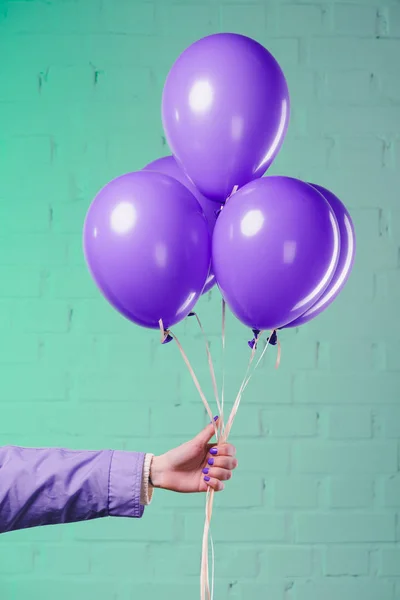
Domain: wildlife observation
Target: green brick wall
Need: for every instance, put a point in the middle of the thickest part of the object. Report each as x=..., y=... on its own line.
x=312, y=512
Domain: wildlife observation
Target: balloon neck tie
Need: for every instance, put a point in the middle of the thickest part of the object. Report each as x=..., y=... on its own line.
x=253, y=343
x=191, y=314
x=166, y=336
x=273, y=340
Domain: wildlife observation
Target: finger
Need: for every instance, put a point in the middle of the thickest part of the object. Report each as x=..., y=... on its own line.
x=207, y=433
x=222, y=449
x=222, y=462
x=213, y=483
x=218, y=473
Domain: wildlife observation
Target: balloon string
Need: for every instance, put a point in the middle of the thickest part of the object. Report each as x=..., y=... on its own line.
x=223, y=337
x=279, y=354
x=210, y=363
x=206, y=593
x=164, y=335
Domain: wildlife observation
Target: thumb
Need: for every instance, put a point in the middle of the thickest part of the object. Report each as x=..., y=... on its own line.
x=207, y=433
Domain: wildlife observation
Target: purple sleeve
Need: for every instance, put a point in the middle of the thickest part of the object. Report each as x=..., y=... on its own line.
x=47, y=486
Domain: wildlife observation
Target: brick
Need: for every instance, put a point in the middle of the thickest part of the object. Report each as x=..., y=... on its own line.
x=62, y=347
x=161, y=529
x=16, y=559
x=66, y=559
x=26, y=383
x=179, y=419
x=258, y=591
x=43, y=587
x=138, y=18
x=286, y=561
x=394, y=20
x=237, y=493
x=298, y=149
x=34, y=217
x=338, y=457
x=97, y=316
x=303, y=19
x=295, y=491
x=74, y=250
x=43, y=18
x=390, y=562
x=136, y=82
x=325, y=53
x=113, y=560
x=76, y=81
x=391, y=351
x=39, y=316
x=263, y=457
x=178, y=591
x=350, y=492
x=392, y=492
x=21, y=282
x=177, y=19
x=345, y=528
x=391, y=420
x=245, y=18
x=351, y=356
x=289, y=423
x=19, y=350
x=342, y=561
x=349, y=389
x=254, y=527
x=368, y=589
x=355, y=87
x=389, y=86
x=72, y=282
x=38, y=250
x=355, y=20
x=350, y=424
x=336, y=120
x=72, y=424
x=238, y=562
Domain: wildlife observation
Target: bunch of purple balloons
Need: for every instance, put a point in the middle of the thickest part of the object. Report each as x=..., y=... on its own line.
x=279, y=249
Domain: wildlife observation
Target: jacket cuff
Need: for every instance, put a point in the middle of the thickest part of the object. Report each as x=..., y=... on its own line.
x=147, y=489
x=125, y=483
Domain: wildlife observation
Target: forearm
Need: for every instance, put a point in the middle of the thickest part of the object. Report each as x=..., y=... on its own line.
x=44, y=486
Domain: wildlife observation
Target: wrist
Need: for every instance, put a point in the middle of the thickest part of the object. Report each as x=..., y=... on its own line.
x=156, y=472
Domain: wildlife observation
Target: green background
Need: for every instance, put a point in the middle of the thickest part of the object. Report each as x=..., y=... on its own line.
x=311, y=513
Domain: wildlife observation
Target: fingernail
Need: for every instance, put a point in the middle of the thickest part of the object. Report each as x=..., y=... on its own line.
x=215, y=419
x=214, y=451
x=210, y=461
x=206, y=478
x=205, y=470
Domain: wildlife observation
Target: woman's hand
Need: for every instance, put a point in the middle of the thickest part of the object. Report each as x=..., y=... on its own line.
x=194, y=466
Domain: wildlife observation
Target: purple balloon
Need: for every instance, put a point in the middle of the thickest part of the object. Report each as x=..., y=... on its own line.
x=225, y=111
x=345, y=262
x=148, y=247
x=275, y=249
x=169, y=166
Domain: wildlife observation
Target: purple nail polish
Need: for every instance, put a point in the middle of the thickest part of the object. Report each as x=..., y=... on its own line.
x=206, y=478
x=210, y=461
x=214, y=451
x=205, y=470
x=216, y=418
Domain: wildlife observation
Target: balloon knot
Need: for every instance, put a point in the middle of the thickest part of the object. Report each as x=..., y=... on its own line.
x=253, y=342
x=191, y=314
x=273, y=340
x=167, y=337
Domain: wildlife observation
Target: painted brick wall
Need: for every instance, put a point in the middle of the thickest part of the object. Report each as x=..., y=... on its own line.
x=312, y=510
